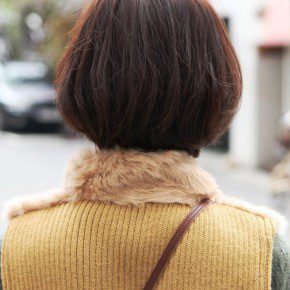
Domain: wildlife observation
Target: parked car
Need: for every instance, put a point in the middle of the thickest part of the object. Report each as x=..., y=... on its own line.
x=26, y=95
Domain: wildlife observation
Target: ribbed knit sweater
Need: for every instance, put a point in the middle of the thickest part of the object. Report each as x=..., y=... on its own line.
x=108, y=225
x=102, y=246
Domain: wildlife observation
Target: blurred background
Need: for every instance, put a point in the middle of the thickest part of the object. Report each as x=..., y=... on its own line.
x=251, y=161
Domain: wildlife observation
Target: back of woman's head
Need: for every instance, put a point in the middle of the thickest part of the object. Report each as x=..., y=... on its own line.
x=149, y=74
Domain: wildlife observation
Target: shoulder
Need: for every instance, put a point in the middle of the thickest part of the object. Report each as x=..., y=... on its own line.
x=263, y=214
x=235, y=223
x=280, y=264
x=266, y=224
x=258, y=227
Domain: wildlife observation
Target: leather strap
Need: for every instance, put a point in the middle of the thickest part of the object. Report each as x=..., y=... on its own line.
x=174, y=241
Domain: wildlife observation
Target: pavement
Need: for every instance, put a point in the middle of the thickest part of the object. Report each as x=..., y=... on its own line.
x=31, y=163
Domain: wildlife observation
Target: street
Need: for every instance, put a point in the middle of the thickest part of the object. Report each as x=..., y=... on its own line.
x=32, y=163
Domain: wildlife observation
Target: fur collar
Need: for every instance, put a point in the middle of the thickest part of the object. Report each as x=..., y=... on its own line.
x=134, y=177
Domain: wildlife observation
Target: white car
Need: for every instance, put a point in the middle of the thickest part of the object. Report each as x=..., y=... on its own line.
x=26, y=95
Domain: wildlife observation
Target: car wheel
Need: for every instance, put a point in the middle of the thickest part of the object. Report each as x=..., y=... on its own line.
x=3, y=120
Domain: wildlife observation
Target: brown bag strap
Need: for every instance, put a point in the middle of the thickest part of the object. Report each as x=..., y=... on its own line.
x=174, y=241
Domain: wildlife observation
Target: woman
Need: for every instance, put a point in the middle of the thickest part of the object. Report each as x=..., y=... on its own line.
x=150, y=83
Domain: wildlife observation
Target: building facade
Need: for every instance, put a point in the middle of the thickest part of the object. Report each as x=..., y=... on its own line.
x=262, y=45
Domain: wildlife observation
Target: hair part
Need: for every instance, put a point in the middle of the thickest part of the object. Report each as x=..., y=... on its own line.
x=149, y=74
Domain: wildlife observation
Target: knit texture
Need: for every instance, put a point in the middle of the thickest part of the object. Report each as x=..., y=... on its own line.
x=94, y=245
x=280, y=265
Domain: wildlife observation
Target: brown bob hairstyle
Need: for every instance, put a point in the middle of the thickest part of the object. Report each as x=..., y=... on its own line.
x=149, y=74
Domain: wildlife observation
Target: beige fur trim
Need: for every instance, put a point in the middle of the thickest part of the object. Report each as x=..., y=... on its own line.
x=22, y=204
x=133, y=177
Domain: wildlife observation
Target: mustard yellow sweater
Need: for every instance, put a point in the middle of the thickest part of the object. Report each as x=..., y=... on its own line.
x=103, y=246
